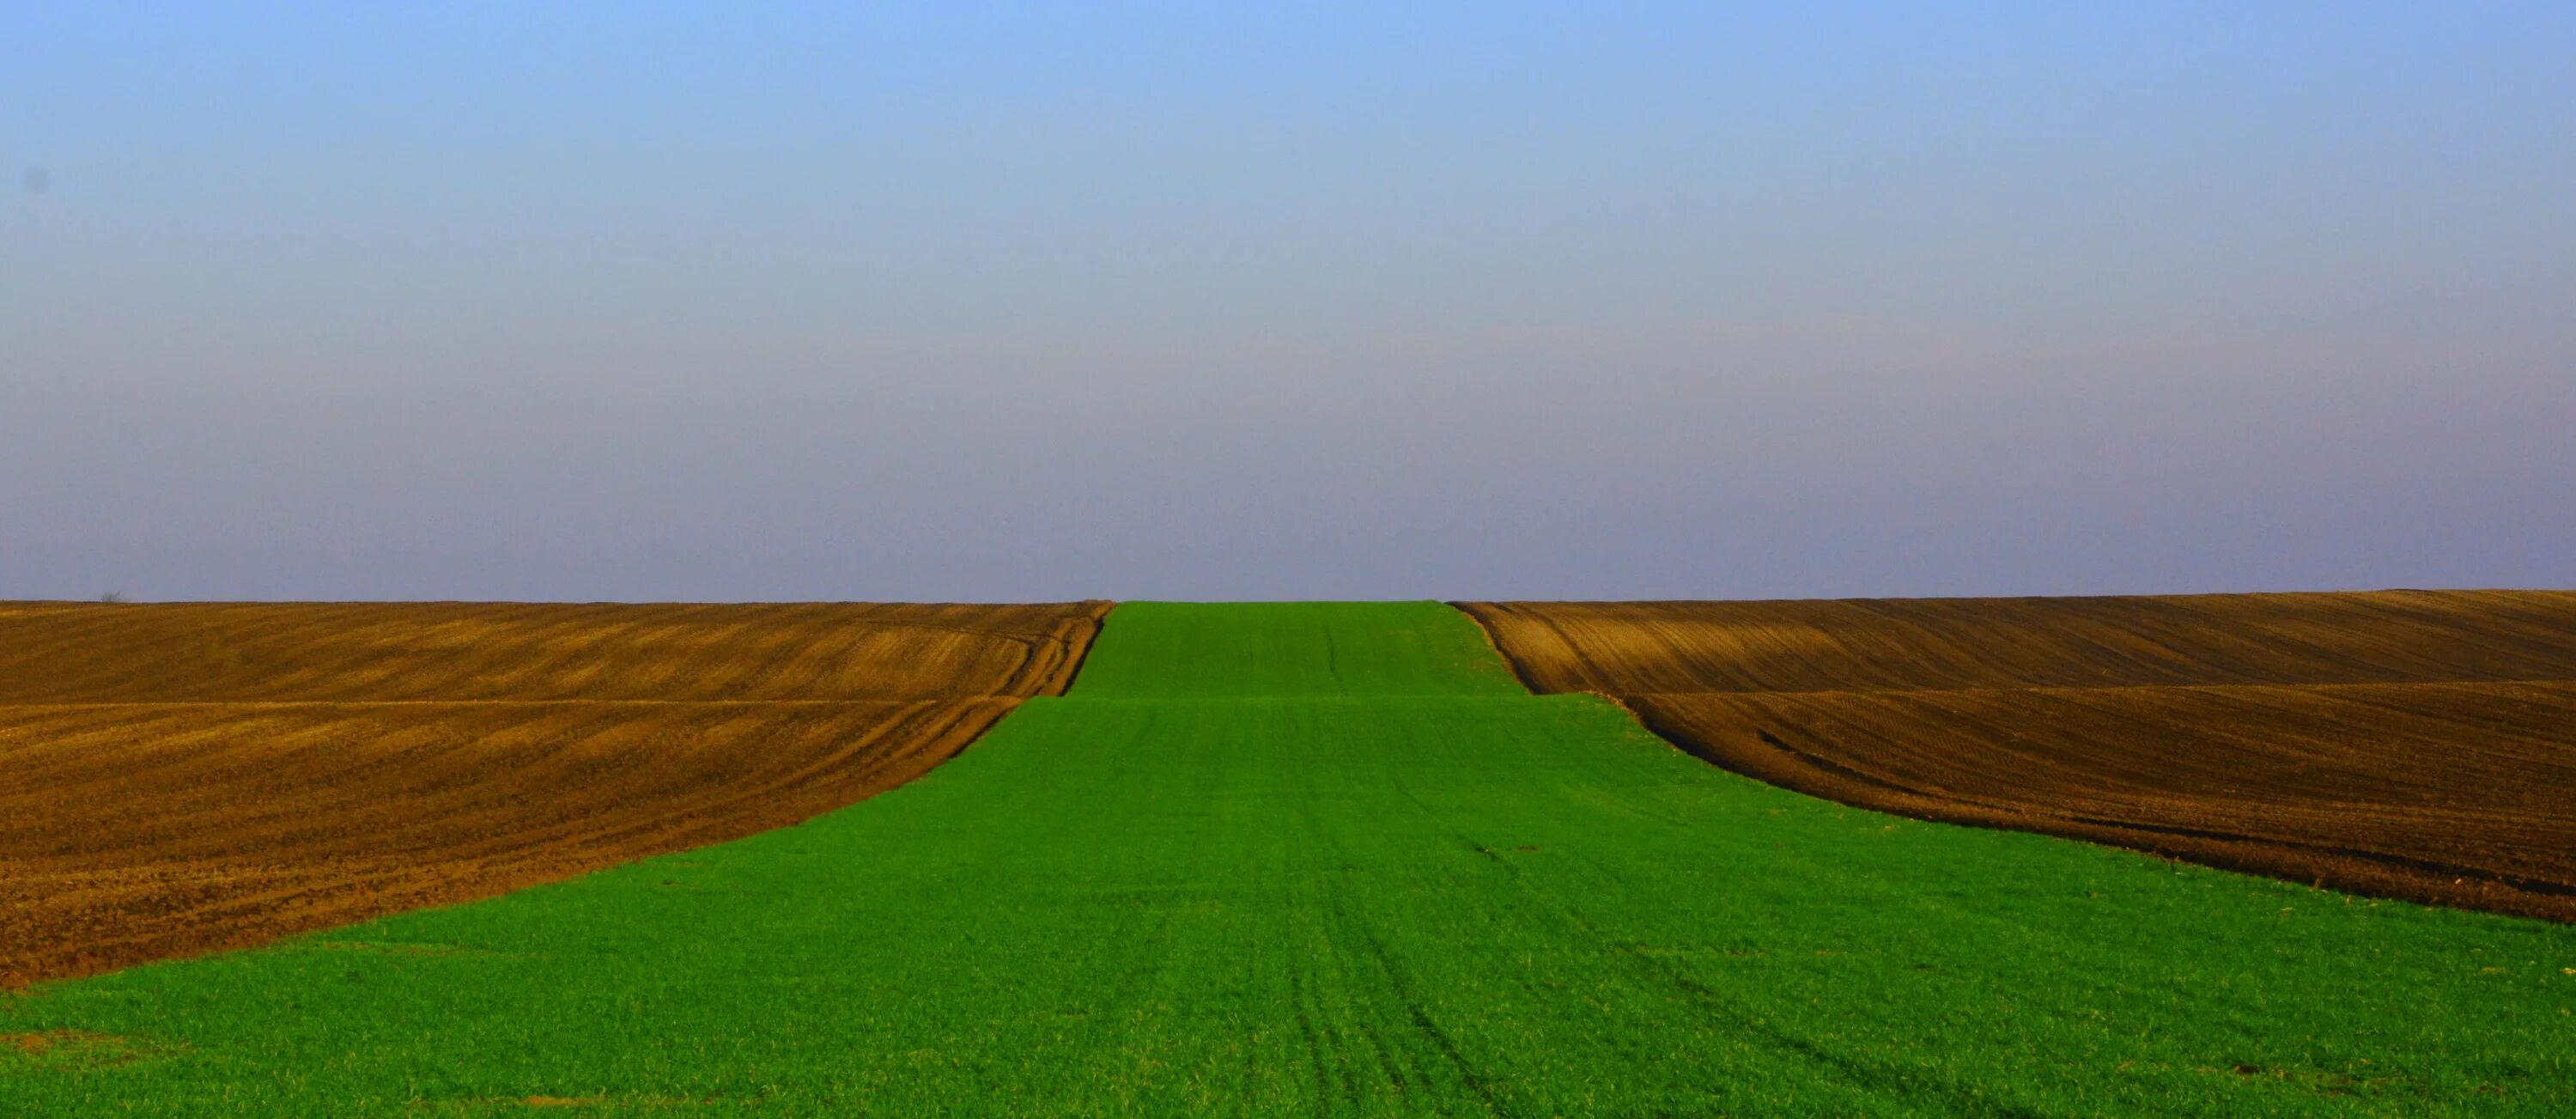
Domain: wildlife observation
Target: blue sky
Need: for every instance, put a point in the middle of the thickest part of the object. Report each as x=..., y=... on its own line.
x=992, y=302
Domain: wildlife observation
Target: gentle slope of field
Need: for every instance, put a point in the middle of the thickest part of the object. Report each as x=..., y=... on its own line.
x=451, y=652
x=1360, y=878
x=1920, y=644
x=1303, y=649
x=177, y=779
x=2408, y=744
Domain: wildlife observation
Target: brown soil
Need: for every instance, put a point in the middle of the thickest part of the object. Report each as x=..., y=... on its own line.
x=2383, y=637
x=2404, y=744
x=351, y=761
x=71, y=1047
x=236, y=652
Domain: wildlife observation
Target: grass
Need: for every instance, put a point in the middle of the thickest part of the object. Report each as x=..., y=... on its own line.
x=1325, y=860
x=1294, y=649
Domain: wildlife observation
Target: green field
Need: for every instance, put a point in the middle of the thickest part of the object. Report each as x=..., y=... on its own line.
x=1330, y=859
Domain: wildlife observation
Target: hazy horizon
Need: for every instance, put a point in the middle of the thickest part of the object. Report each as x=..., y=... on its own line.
x=967, y=303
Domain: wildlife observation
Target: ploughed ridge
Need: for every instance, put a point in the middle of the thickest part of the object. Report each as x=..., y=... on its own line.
x=184, y=778
x=2409, y=744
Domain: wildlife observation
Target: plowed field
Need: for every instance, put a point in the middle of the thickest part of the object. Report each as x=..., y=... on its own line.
x=2385, y=637
x=237, y=652
x=2407, y=744
x=504, y=746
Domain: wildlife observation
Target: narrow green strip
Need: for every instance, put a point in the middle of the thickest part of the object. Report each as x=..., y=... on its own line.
x=1373, y=885
x=1232, y=650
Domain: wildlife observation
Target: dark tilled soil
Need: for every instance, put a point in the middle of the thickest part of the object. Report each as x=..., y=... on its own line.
x=133, y=830
x=2401, y=744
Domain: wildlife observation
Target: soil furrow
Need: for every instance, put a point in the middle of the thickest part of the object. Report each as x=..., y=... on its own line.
x=2412, y=744
x=278, y=794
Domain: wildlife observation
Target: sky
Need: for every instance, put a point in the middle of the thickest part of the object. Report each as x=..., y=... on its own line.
x=1496, y=300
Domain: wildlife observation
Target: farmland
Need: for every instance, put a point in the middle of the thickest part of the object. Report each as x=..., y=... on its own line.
x=177, y=779
x=56, y=653
x=1924, y=644
x=1327, y=859
x=2408, y=744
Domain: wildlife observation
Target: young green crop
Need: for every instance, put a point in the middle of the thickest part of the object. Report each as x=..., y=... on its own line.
x=1171, y=650
x=1327, y=860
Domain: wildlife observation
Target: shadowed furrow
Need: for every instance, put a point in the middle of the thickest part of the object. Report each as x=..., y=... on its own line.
x=2408, y=744
x=2460, y=794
